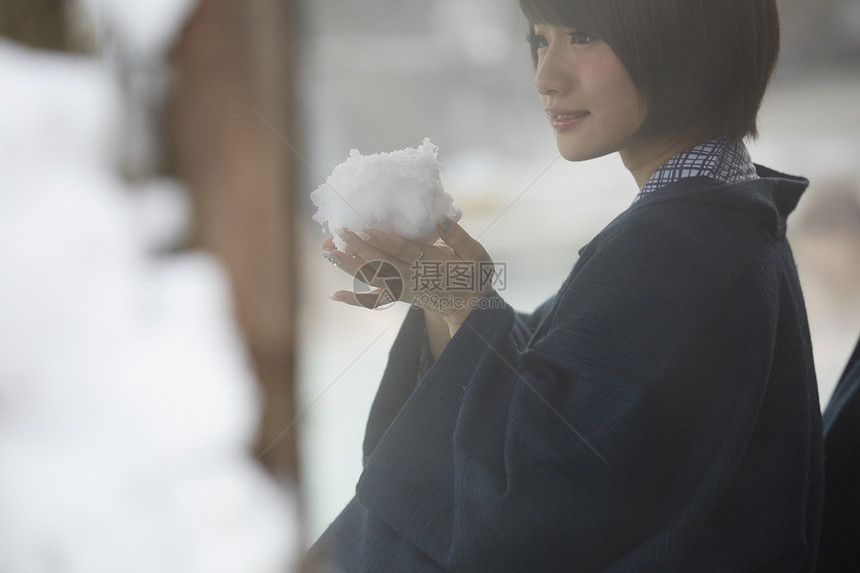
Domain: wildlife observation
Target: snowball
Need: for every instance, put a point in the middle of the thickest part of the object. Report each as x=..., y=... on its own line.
x=398, y=192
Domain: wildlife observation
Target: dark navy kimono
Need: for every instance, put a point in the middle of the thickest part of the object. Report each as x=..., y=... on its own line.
x=840, y=531
x=659, y=414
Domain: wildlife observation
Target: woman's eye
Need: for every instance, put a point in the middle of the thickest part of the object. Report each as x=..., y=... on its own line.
x=580, y=37
x=536, y=40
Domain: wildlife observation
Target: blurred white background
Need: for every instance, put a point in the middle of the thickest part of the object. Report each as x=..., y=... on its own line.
x=128, y=402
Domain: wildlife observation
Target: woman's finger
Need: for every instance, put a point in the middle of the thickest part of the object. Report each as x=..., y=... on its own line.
x=374, y=299
x=348, y=264
x=466, y=248
x=403, y=249
x=328, y=246
x=373, y=273
x=367, y=251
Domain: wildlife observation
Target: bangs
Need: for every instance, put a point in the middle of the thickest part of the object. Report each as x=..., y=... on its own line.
x=577, y=14
x=592, y=16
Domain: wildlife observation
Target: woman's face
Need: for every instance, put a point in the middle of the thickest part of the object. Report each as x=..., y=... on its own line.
x=592, y=103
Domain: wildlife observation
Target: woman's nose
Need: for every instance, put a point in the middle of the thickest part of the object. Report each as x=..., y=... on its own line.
x=552, y=75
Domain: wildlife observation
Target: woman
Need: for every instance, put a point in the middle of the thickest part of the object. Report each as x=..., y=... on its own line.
x=660, y=412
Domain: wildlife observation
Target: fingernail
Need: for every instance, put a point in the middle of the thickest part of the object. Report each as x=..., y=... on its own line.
x=334, y=298
x=446, y=224
x=332, y=259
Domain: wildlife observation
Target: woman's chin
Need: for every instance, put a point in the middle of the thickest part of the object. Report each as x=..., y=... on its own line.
x=579, y=148
x=581, y=154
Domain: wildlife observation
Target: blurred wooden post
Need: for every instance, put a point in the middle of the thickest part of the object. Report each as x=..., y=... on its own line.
x=234, y=63
x=35, y=23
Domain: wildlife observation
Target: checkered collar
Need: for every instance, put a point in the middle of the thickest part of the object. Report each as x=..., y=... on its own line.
x=729, y=163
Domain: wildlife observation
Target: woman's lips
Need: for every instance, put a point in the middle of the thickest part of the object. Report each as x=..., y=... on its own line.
x=565, y=120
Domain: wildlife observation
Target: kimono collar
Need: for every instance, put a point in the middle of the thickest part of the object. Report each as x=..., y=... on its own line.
x=727, y=163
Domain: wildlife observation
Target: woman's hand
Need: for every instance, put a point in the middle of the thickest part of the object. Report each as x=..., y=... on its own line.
x=448, y=277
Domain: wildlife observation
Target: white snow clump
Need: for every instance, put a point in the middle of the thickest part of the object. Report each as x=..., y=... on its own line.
x=398, y=192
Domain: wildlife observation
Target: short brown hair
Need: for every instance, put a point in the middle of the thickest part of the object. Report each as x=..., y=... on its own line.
x=699, y=64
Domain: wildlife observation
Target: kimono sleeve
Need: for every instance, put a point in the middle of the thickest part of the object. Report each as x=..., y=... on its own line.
x=403, y=369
